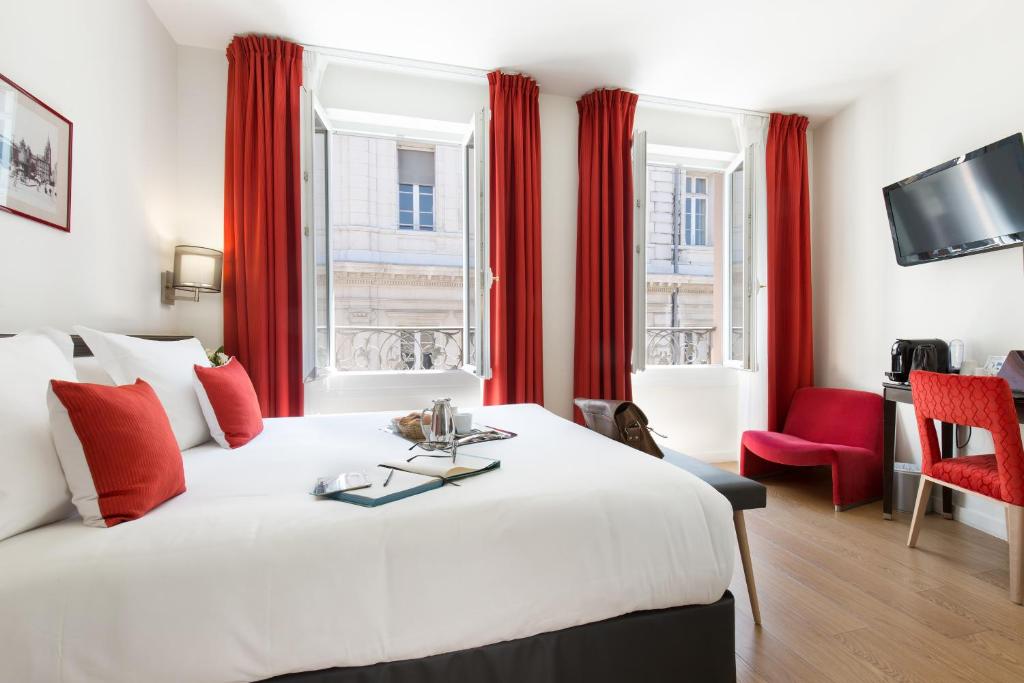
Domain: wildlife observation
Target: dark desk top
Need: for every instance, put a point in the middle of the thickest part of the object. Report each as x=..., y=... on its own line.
x=900, y=393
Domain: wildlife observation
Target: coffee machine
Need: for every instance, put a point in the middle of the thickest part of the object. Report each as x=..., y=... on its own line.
x=917, y=354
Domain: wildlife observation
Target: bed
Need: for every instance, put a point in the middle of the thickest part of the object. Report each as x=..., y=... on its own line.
x=579, y=558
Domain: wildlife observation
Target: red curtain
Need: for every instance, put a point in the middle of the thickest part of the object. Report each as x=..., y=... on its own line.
x=604, y=247
x=790, y=333
x=262, y=221
x=517, y=348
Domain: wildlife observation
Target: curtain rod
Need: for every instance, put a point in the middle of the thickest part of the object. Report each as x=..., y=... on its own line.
x=672, y=103
x=401, y=63
x=466, y=72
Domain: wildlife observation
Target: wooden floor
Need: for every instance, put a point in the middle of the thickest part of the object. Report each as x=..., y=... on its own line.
x=843, y=598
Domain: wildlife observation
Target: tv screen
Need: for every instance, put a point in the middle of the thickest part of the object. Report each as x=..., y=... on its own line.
x=967, y=205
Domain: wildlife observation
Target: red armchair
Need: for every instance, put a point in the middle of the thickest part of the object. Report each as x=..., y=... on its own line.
x=986, y=403
x=841, y=428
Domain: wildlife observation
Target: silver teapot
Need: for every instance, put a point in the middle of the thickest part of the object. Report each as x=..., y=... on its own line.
x=439, y=431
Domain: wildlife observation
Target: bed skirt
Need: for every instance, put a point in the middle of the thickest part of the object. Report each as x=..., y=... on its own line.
x=692, y=643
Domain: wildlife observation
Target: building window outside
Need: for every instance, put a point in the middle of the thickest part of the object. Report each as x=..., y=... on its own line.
x=416, y=178
x=696, y=227
x=415, y=207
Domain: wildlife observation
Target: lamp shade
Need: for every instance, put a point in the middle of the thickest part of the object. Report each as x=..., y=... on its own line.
x=197, y=268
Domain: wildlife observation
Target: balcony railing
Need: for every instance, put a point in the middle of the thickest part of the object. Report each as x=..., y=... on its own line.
x=441, y=348
x=398, y=348
x=679, y=345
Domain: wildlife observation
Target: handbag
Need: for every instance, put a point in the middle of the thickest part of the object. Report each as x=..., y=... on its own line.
x=622, y=421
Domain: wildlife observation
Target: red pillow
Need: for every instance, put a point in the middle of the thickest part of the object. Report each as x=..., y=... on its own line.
x=229, y=403
x=119, y=455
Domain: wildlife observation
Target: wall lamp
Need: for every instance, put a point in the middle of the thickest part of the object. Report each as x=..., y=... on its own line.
x=196, y=269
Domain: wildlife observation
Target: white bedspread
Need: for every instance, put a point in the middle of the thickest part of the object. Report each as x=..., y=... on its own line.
x=246, y=576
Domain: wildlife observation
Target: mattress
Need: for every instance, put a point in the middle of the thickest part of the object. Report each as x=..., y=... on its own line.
x=246, y=576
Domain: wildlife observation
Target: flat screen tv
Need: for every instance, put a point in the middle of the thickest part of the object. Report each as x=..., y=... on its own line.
x=967, y=205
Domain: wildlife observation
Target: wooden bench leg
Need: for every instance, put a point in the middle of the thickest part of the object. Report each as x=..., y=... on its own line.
x=748, y=567
x=1015, y=535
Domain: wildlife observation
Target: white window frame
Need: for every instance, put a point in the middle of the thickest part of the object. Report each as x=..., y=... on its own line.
x=638, y=354
x=746, y=361
x=476, y=232
x=314, y=119
x=641, y=195
x=417, y=216
x=314, y=115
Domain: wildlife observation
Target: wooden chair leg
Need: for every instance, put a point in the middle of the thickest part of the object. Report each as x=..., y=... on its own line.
x=1015, y=535
x=924, y=491
x=748, y=567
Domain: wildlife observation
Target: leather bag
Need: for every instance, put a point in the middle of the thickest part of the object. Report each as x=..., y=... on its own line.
x=622, y=421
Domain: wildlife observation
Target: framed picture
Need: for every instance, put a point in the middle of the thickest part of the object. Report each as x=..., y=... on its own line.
x=35, y=158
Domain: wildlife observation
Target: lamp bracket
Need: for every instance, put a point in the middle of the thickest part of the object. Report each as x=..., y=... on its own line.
x=169, y=294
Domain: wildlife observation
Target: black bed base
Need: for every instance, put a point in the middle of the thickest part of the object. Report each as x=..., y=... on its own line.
x=694, y=643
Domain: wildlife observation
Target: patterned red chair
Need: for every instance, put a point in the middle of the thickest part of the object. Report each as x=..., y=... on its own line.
x=985, y=403
x=840, y=428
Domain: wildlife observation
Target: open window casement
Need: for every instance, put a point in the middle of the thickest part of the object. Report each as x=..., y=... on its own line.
x=744, y=216
x=317, y=280
x=638, y=356
x=477, y=275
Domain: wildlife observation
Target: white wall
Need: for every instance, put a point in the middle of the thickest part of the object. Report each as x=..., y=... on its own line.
x=202, y=105
x=863, y=301
x=559, y=177
x=110, y=67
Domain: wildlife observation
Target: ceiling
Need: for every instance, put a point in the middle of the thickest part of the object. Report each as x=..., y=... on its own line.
x=809, y=56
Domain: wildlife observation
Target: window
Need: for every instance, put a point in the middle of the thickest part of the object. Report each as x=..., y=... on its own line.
x=396, y=245
x=696, y=226
x=737, y=265
x=680, y=280
x=689, y=300
x=416, y=172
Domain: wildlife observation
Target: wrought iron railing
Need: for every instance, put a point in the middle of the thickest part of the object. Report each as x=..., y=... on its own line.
x=441, y=348
x=398, y=348
x=679, y=345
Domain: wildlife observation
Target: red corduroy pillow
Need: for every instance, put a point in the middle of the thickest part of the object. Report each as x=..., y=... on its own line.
x=229, y=403
x=115, y=444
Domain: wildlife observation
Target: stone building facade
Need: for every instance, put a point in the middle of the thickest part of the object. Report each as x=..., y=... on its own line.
x=398, y=292
x=398, y=298
x=683, y=306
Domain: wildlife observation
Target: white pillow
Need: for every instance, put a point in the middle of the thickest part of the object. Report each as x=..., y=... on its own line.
x=33, y=491
x=90, y=371
x=167, y=366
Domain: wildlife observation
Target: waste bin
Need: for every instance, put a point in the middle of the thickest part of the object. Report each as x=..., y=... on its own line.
x=908, y=479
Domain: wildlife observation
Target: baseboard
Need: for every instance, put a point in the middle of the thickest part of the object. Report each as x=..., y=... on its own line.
x=993, y=525
x=716, y=457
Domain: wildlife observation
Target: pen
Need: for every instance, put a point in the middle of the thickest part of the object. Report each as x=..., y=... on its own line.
x=387, y=479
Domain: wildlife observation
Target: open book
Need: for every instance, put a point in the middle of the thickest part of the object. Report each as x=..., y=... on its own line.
x=442, y=467
x=401, y=478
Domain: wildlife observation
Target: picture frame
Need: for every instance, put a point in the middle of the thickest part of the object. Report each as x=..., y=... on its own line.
x=35, y=158
x=993, y=364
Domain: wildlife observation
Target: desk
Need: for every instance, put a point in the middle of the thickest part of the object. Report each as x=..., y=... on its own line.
x=894, y=393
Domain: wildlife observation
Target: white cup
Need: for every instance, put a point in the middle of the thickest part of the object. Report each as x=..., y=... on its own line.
x=463, y=422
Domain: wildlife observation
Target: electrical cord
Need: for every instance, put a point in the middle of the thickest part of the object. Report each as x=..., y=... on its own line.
x=970, y=433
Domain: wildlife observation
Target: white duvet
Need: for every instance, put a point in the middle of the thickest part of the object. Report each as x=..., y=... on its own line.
x=246, y=576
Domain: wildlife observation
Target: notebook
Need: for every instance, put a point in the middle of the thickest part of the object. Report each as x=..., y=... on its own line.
x=442, y=467
x=407, y=478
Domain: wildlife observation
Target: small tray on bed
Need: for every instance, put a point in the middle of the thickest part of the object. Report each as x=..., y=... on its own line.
x=478, y=434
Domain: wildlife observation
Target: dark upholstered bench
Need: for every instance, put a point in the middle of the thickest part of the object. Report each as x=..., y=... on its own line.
x=743, y=493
